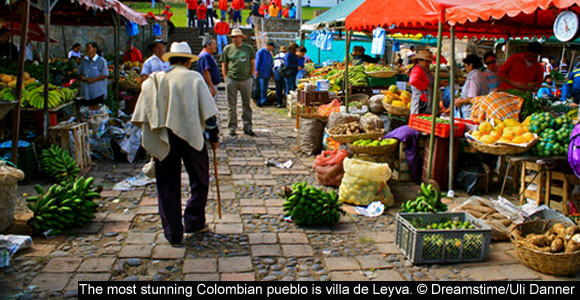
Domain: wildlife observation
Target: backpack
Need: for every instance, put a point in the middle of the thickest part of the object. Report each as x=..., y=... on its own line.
x=574, y=150
x=283, y=69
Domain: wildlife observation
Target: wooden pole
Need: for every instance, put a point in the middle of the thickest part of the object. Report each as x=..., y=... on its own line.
x=46, y=65
x=434, y=103
x=347, y=61
x=25, y=11
x=452, y=114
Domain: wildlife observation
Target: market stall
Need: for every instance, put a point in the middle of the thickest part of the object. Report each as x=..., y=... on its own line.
x=36, y=97
x=529, y=131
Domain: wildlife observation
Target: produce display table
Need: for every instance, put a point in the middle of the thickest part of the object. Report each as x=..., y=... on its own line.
x=6, y=107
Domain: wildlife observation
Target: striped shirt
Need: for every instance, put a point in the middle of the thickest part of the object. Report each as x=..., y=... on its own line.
x=492, y=80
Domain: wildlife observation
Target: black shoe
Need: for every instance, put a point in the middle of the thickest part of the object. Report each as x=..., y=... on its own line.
x=232, y=132
x=249, y=132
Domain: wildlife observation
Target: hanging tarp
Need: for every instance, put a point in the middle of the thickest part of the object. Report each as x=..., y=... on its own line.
x=335, y=15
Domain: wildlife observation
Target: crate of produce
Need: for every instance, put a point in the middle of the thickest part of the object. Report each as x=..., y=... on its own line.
x=442, y=237
x=422, y=122
x=313, y=98
x=381, y=82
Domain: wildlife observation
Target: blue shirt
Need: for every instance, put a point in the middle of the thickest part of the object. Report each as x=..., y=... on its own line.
x=263, y=63
x=92, y=68
x=207, y=62
x=292, y=12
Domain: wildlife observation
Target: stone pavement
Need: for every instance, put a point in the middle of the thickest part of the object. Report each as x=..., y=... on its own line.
x=250, y=242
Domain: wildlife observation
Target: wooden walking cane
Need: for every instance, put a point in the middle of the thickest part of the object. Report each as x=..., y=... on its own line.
x=217, y=183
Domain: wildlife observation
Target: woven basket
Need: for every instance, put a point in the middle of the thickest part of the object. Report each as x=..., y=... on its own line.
x=544, y=262
x=362, y=98
x=396, y=111
x=382, y=74
x=9, y=178
x=345, y=139
x=498, y=149
x=373, y=150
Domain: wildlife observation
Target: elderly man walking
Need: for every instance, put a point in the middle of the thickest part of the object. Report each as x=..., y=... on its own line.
x=175, y=111
x=238, y=61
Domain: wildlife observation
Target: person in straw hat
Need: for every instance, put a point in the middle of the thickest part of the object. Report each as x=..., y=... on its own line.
x=175, y=112
x=238, y=67
x=421, y=82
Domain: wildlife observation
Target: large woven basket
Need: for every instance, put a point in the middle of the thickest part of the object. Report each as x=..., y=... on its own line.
x=382, y=74
x=373, y=150
x=498, y=149
x=345, y=139
x=396, y=111
x=9, y=178
x=544, y=262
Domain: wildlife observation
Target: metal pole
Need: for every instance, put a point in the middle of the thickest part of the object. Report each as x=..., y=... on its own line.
x=46, y=65
x=25, y=11
x=434, y=101
x=117, y=22
x=452, y=112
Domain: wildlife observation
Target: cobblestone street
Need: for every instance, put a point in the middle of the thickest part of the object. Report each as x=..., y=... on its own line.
x=249, y=243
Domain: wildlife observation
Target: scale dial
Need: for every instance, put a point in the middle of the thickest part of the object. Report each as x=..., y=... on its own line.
x=566, y=26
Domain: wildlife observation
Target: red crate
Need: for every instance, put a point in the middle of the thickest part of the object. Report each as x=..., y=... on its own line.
x=441, y=130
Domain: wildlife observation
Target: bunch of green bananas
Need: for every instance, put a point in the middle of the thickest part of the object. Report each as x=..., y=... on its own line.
x=357, y=77
x=429, y=200
x=33, y=96
x=63, y=206
x=7, y=94
x=58, y=164
x=308, y=205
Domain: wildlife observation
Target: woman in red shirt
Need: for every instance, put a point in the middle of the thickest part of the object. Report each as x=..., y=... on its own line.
x=238, y=5
x=421, y=82
x=168, y=14
x=286, y=11
x=263, y=8
x=201, y=17
x=191, y=14
x=223, y=5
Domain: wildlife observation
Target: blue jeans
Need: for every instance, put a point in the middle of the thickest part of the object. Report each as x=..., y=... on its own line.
x=237, y=16
x=263, y=86
x=222, y=41
x=224, y=14
x=290, y=84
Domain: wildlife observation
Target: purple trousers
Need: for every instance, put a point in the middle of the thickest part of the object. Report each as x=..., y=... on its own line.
x=168, y=177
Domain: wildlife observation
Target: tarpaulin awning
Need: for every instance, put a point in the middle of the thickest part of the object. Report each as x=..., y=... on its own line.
x=78, y=13
x=477, y=18
x=524, y=18
x=337, y=14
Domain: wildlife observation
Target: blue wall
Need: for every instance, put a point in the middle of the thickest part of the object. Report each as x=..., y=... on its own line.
x=338, y=50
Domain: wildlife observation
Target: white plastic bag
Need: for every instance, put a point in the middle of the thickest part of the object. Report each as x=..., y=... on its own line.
x=365, y=182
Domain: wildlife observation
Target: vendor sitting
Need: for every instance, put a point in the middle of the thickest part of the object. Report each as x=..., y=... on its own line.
x=359, y=57
x=132, y=54
x=548, y=89
x=475, y=85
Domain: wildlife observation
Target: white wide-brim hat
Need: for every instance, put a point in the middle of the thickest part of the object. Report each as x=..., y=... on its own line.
x=180, y=49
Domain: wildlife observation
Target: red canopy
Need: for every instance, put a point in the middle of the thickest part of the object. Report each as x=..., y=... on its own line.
x=479, y=18
x=517, y=18
x=118, y=7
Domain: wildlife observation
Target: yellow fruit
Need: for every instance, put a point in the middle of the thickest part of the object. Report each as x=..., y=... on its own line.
x=393, y=89
x=508, y=135
x=487, y=139
x=485, y=127
x=519, y=140
x=526, y=122
x=389, y=98
x=495, y=135
x=520, y=130
x=511, y=122
x=398, y=103
x=409, y=105
x=476, y=134
x=528, y=136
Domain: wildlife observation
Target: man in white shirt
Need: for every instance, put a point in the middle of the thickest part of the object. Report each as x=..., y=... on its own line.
x=174, y=135
x=155, y=63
